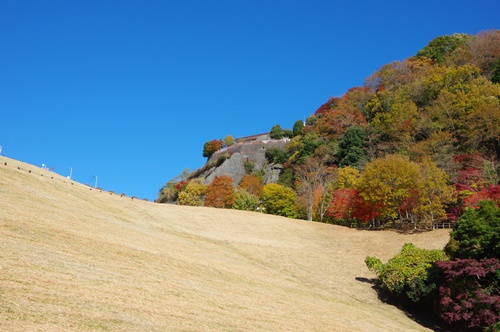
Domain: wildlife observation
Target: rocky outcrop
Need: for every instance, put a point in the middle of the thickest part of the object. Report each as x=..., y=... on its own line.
x=236, y=156
x=273, y=172
x=233, y=167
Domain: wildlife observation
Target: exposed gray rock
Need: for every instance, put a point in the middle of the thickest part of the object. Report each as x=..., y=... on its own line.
x=273, y=172
x=234, y=166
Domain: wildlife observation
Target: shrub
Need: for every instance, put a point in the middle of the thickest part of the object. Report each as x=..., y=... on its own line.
x=249, y=166
x=277, y=156
x=495, y=72
x=243, y=200
x=477, y=233
x=287, y=133
x=229, y=140
x=286, y=178
x=280, y=200
x=407, y=275
x=170, y=191
x=193, y=194
x=470, y=292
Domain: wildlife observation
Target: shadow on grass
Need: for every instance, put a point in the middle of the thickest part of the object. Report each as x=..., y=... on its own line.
x=416, y=314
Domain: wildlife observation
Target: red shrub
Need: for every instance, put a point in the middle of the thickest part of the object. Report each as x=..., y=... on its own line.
x=470, y=293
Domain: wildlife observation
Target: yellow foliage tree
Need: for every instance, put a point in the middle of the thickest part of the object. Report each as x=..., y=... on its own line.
x=193, y=194
x=435, y=191
x=387, y=182
x=280, y=200
x=347, y=177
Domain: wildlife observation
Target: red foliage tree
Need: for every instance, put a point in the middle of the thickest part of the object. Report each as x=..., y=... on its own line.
x=491, y=193
x=342, y=204
x=471, y=172
x=330, y=104
x=335, y=122
x=363, y=210
x=410, y=205
x=346, y=204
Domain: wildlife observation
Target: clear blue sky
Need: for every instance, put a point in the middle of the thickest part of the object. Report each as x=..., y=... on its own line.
x=131, y=90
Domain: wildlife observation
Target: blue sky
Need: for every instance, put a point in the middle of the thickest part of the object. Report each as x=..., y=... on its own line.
x=131, y=90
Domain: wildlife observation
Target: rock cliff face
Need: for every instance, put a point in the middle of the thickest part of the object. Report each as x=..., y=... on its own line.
x=237, y=155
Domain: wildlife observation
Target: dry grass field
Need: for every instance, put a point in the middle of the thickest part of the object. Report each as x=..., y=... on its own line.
x=73, y=258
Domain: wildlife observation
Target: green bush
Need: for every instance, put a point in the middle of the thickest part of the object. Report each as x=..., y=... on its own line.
x=249, y=166
x=286, y=178
x=280, y=200
x=477, y=233
x=243, y=200
x=277, y=156
x=408, y=274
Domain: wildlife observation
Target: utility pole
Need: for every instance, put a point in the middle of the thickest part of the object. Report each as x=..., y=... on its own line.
x=70, y=172
x=95, y=181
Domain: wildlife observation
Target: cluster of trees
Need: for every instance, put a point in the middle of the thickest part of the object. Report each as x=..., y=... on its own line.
x=461, y=284
x=251, y=195
x=419, y=141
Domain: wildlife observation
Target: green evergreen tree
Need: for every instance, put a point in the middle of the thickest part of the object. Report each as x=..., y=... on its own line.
x=352, y=152
x=477, y=233
x=297, y=128
x=276, y=132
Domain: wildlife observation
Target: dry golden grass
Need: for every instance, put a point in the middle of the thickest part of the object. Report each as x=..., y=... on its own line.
x=76, y=259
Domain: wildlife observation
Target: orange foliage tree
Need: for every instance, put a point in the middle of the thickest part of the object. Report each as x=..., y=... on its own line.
x=252, y=184
x=220, y=193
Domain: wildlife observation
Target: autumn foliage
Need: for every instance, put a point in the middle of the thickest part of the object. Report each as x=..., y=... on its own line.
x=220, y=192
x=211, y=147
x=470, y=292
x=419, y=142
x=252, y=184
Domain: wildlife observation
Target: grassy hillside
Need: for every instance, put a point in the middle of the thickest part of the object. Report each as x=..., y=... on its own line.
x=72, y=258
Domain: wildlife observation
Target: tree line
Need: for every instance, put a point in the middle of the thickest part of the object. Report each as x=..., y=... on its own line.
x=418, y=142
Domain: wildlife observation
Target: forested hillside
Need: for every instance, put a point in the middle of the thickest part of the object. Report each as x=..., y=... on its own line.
x=417, y=143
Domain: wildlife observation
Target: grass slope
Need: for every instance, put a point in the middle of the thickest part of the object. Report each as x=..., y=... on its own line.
x=75, y=258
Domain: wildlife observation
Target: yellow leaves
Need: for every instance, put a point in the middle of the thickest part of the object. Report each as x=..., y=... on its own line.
x=386, y=182
x=193, y=194
x=347, y=177
x=279, y=200
x=484, y=117
x=435, y=190
x=394, y=183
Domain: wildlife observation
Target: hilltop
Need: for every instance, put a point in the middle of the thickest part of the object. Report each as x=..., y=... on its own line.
x=76, y=258
x=415, y=146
